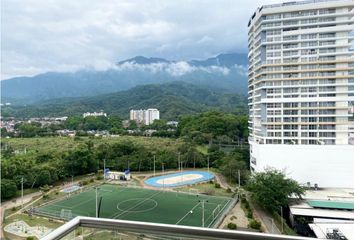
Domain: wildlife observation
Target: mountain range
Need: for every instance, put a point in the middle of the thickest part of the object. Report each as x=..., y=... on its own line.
x=173, y=99
x=225, y=71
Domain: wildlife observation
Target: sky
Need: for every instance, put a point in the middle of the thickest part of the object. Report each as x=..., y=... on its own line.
x=38, y=36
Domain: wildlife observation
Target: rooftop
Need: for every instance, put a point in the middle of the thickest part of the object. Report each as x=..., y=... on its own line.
x=331, y=204
x=285, y=4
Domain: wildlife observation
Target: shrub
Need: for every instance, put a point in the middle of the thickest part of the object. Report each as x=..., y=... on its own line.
x=13, y=209
x=45, y=196
x=232, y=226
x=92, y=180
x=99, y=177
x=45, y=188
x=84, y=182
x=254, y=224
x=247, y=206
x=209, y=191
x=217, y=185
x=250, y=214
x=228, y=190
x=30, y=238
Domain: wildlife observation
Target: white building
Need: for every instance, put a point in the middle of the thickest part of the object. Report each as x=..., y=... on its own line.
x=145, y=116
x=151, y=114
x=94, y=114
x=301, y=90
x=137, y=115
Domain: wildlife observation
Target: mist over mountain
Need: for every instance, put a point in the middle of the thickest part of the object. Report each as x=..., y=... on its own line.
x=172, y=99
x=225, y=71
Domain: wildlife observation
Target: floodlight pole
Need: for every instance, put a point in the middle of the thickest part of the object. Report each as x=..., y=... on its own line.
x=163, y=179
x=208, y=163
x=239, y=179
x=97, y=202
x=154, y=164
x=282, y=219
x=203, y=211
x=104, y=169
x=179, y=161
x=22, y=192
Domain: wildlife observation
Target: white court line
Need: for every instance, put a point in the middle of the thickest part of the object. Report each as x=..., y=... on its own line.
x=187, y=213
x=119, y=214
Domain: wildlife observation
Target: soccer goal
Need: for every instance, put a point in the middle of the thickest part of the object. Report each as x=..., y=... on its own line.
x=66, y=214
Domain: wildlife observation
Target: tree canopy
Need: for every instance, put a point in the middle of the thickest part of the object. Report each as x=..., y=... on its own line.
x=272, y=189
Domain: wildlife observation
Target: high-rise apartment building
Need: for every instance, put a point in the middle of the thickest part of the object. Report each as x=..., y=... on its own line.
x=146, y=117
x=301, y=90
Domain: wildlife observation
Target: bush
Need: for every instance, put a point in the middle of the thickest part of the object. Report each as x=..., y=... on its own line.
x=232, y=226
x=209, y=191
x=45, y=196
x=45, y=188
x=217, y=185
x=99, y=177
x=30, y=238
x=84, y=182
x=92, y=180
x=228, y=190
x=254, y=224
x=247, y=206
x=250, y=214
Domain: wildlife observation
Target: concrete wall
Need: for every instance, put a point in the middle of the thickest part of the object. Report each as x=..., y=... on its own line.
x=326, y=165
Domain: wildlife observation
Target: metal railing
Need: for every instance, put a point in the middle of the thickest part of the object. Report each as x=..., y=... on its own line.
x=165, y=230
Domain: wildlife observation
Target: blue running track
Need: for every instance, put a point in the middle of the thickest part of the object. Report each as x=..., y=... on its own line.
x=205, y=176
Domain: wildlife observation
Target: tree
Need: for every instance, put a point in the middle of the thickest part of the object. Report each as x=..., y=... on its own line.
x=8, y=188
x=272, y=189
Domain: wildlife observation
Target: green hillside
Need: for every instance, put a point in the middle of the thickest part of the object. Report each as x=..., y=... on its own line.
x=172, y=99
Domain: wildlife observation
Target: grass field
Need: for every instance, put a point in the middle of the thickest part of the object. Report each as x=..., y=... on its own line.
x=59, y=144
x=143, y=205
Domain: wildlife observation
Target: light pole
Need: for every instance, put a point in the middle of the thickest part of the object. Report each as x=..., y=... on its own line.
x=154, y=165
x=179, y=161
x=239, y=179
x=163, y=179
x=208, y=163
x=104, y=169
x=203, y=212
x=22, y=192
x=282, y=219
x=97, y=202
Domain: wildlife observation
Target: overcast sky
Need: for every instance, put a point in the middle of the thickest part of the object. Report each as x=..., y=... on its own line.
x=66, y=35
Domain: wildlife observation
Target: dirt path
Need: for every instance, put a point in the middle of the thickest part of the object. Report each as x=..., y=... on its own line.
x=267, y=221
x=237, y=216
x=17, y=201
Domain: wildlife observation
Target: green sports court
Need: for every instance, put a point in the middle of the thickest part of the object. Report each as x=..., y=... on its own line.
x=138, y=204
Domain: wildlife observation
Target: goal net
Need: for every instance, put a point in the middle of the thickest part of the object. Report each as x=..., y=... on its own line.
x=66, y=214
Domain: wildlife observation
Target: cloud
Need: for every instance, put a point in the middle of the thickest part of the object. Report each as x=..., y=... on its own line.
x=51, y=35
x=175, y=69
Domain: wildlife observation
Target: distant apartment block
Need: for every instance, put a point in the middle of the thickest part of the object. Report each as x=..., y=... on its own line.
x=301, y=90
x=146, y=117
x=94, y=114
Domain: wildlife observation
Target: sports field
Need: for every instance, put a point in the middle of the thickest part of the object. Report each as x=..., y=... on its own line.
x=142, y=205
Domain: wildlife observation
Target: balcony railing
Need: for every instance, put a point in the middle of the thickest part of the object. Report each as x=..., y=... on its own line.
x=142, y=230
